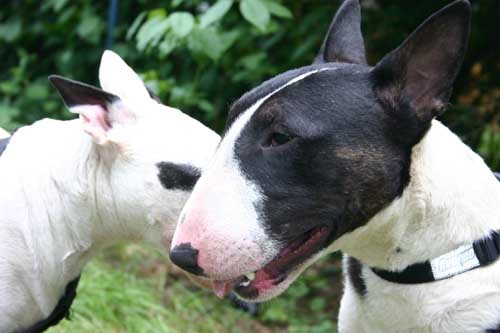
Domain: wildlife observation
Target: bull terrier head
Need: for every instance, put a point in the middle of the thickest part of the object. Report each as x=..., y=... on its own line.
x=315, y=153
x=149, y=155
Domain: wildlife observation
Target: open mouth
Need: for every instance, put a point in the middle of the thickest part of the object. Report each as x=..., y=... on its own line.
x=250, y=285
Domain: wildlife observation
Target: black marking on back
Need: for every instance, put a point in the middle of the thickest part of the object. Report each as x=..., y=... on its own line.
x=61, y=311
x=355, y=275
x=178, y=176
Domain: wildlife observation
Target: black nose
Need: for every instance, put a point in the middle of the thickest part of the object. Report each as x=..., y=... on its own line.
x=186, y=257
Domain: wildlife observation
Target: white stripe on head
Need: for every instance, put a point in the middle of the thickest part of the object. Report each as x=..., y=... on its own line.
x=240, y=123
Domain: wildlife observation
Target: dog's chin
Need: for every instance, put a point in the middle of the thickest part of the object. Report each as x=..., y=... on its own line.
x=275, y=277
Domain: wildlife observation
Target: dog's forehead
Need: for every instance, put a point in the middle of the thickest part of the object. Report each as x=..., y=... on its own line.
x=279, y=85
x=272, y=85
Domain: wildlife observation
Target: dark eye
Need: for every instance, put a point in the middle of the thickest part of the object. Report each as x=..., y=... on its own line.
x=278, y=139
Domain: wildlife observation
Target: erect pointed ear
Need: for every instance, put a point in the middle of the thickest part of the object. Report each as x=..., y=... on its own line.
x=97, y=109
x=344, y=40
x=118, y=78
x=420, y=73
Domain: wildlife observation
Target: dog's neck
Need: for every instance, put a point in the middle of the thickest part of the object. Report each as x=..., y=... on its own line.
x=452, y=199
x=58, y=209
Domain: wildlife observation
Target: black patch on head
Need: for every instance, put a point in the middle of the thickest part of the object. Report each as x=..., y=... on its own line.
x=178, y=176
x=349, y=157
x=354, y=274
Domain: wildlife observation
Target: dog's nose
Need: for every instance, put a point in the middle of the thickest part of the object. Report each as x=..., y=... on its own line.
x=186, y=257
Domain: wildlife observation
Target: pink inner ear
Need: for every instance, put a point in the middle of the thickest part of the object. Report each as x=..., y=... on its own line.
x=95, y=116
x=95, y=121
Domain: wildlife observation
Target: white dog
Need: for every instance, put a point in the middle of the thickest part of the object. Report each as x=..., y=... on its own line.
x=68, y=188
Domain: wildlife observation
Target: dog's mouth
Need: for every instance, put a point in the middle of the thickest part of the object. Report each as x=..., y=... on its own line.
x=290, y=258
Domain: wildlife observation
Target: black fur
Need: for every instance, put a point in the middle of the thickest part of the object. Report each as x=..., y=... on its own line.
x=353, y=128
x=61, y=311
x=344, y=41
x=345, y=163
x=354, y=274
x=249, y=98
x=178, y=176
x=76, y=93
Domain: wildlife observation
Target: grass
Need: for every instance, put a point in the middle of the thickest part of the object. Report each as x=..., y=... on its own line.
x=133, y=289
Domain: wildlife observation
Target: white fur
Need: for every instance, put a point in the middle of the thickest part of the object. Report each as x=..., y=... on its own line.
x=62, y=197
x=118, y=78
x=452, y=199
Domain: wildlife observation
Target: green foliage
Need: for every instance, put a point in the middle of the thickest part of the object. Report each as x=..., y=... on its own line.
x=200, y=55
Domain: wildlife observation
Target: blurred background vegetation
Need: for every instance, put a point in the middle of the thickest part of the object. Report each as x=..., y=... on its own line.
x=200, y=56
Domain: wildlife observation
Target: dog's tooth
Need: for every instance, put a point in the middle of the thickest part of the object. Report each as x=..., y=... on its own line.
x=245, y=283
x=250, y=276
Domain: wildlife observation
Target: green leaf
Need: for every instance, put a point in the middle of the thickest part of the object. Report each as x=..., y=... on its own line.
x=135, y=25
x=36, y=91
x=206, y=41
x=158, y=12
x=182, y=23
x=90, y=27
x=7, y=114
x=166, y=46
x=278, y=9
x=57, y=5
x=151, y=32
x=215, y=13
x=255, y=12
x=10, y=30
x=176, y=3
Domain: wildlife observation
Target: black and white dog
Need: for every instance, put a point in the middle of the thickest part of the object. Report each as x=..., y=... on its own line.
x=64, y=193
x=343, y=156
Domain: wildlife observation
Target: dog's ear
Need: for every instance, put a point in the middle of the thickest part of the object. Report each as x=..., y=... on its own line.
x=98, y=109
x=344, y=40
x=419, y=74
x=118, y=78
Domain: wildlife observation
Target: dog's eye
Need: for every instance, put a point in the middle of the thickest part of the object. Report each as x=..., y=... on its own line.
x=278, y=139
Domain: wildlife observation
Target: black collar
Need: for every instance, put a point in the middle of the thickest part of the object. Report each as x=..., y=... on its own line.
x=3, y=144
x=482, y=252
x=60, y=312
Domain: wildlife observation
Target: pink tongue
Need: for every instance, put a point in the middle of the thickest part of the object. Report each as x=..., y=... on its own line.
x=223, y=288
